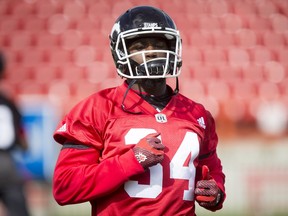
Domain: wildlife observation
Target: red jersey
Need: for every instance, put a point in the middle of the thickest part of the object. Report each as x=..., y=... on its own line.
x=97, y=163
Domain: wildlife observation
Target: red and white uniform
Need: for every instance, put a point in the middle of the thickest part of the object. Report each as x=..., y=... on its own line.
x=99, y=166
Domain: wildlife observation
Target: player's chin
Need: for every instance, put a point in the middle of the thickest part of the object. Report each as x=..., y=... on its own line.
x=151, y=84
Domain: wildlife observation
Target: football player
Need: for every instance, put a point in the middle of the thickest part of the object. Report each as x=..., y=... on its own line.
x=141, y=148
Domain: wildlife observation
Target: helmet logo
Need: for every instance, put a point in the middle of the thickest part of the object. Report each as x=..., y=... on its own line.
x=150, y=25
x=116, y=27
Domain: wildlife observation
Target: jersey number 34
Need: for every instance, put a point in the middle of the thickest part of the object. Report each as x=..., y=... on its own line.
x=188, y=147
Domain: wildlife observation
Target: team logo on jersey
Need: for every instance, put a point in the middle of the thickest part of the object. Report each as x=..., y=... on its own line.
x=201, y=122
x=161, y=118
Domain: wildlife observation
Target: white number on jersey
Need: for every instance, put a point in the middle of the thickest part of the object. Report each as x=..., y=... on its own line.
x=188, y=147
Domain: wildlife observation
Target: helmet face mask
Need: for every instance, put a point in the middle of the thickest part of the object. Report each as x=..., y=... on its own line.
x=150, y=23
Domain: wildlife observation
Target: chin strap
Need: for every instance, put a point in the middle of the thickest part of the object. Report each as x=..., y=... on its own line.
x=131, y=83
x=176, y=90
x=125, y=95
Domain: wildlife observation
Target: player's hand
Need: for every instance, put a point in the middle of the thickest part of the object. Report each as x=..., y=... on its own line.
x=207, y=192
x=149, y=150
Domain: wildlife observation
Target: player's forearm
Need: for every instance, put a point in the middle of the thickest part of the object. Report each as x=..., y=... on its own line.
x=79, y=180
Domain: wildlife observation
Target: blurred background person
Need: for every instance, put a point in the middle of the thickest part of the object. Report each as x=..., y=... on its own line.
x=12, y=135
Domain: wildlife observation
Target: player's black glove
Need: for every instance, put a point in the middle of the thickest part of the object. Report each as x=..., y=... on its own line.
x=207, y=191
x=149, y=150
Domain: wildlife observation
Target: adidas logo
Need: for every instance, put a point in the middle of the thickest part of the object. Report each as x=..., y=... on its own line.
x=201, y=122
x=62, y=129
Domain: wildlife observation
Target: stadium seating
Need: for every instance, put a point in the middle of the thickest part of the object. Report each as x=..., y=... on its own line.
x=234, y=52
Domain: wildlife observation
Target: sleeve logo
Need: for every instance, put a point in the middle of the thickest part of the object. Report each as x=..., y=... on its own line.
x=201, y=122
x=62, y=128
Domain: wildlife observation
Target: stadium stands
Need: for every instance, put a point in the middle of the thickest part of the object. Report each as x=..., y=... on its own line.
x=234, y=53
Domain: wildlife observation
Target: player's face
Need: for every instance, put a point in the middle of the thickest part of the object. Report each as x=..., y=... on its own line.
x=146, y=44
x=151, y=86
